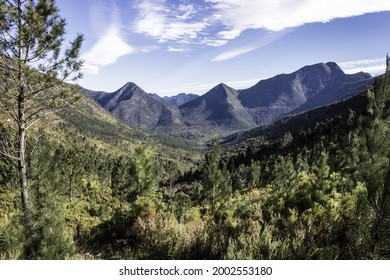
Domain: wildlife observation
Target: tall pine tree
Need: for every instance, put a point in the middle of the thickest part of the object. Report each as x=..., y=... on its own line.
x=216, y=178
x=33, y=66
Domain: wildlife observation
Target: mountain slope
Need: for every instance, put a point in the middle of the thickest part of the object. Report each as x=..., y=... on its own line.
x=295, y=124
x=134, y=106
x=88, y=120
x=216, y=112
x=309, y=87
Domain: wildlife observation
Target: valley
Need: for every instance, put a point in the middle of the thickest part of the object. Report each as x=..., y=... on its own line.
x=295, y=166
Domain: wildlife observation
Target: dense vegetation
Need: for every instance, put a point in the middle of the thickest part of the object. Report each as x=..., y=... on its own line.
x=321, y=194
x=84, y=185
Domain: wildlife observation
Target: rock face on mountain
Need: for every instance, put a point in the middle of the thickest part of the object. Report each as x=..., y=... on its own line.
x=216, y=112
x=223, y=110
x=219, y=110
x=308, y=88
x=134, y=106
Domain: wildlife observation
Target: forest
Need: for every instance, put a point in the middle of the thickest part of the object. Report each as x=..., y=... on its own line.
x=322, y=193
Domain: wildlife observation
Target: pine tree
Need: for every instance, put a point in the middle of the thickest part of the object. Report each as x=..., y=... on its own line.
x=171, y=171
x=286, y=139
x=216, y=178
x=143, y=172
x=49, y=236
x=33, y=66
x=372, y=165
x=120, y=179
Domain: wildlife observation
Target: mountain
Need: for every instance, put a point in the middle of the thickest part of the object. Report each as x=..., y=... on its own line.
x=87, y=123
x=180, y=99
x=224, y=110
x=309, y=87
x=86, y=118
x=295, y=124
x=176, y=100
x=216, y=112
x=136, y=107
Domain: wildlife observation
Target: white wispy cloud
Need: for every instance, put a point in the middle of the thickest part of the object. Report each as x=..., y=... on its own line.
x=242, y=84
x=216, y=22
x=261, y=42
x=233, y=53
x=107, y=50
x=168, y=23
x=213, y=42
x=187, y=10
x=281, y=14
x=373, y=66
x=176, y=49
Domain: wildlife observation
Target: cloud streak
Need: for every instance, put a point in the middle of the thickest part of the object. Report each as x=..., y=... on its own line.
x=107, y=50
x=168, y=23
x=243, y=84
x=175, y=49
x=373, y=66
x=278, y=15
x=233, y=53
x=110, y=45
x=262, y=42
x=216, y=22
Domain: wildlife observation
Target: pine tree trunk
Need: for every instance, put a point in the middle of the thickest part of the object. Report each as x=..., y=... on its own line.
x=22, y=155
x=22, y=124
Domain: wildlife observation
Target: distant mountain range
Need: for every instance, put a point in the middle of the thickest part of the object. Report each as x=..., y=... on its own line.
x=224, y=110
x=176, y=100
x=309, y=87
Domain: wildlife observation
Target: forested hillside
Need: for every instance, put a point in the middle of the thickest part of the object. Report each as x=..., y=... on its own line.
x=324, y=195
x=77, y=183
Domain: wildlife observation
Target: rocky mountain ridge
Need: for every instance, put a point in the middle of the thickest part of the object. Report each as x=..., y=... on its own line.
x=224, y=110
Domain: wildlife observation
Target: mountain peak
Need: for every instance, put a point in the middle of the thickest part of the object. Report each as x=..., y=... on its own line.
x=333, y=65
x=334, y=68
x=221, y=85
x=329, y=69
x=129, y=86
x=311, y=86
x=223, y=110
x=217, y=111
x=221, y=91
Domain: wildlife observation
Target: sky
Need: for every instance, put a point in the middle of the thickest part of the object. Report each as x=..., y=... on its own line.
x=173, y=46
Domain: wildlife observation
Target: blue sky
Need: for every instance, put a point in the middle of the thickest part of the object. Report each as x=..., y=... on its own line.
x=173, y=46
